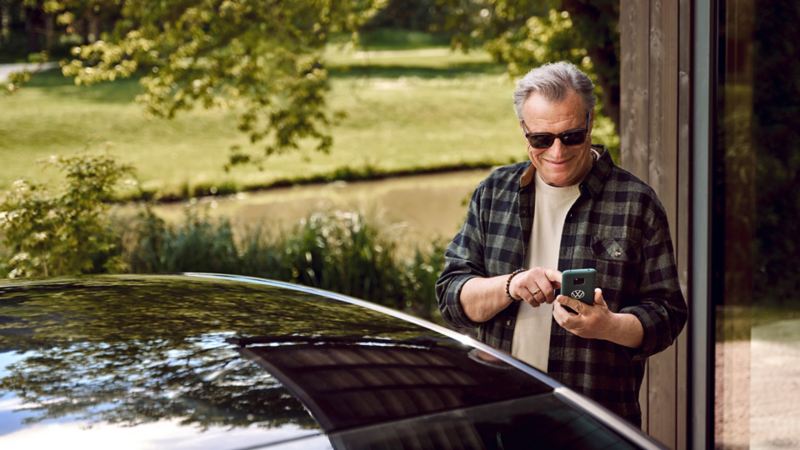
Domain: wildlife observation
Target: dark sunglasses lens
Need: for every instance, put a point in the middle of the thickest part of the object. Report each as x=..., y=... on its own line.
x=573, y=137
x=541, y=140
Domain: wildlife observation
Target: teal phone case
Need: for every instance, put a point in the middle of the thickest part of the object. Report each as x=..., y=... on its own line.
x=579, y=284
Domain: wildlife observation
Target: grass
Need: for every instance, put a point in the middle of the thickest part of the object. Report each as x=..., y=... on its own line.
x=395, y=39
x=408, y=110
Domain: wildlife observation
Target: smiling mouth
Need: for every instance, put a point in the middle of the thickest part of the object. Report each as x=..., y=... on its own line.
x=558, y=163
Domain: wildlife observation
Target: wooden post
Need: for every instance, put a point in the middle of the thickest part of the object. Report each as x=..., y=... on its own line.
x=654, y=118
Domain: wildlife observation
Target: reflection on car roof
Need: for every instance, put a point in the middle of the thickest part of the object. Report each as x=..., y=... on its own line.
x=349, y=383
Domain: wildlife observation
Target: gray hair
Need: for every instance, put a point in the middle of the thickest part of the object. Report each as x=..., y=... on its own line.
x=553, y=81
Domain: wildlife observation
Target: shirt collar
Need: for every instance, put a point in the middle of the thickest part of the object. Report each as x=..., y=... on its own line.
x=592, y=184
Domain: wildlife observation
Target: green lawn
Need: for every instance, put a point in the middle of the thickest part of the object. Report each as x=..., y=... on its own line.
x=408, y=109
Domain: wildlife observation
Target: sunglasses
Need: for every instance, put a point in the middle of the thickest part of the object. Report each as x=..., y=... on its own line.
x=570, y=137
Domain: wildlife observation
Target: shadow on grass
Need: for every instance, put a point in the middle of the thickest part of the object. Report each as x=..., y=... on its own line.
x=398, y=70
x=393, y=39
x=120, y=91
x=124, y=91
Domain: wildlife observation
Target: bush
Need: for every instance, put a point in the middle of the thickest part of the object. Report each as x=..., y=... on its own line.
x=64, y=233
x=70, y=233
x=337, y=251
x=342, y=253
x=199, y=245
x=419, y=281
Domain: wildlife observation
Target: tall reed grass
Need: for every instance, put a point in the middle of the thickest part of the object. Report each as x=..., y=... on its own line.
x=338, y=251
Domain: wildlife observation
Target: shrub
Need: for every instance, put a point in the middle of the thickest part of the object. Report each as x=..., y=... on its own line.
x=337, y=251
x=419, y=281
x=198, y=245
x=342, y=252
x=69, y=232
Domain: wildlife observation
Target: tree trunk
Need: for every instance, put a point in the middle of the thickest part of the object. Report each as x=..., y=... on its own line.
x=94, y=27
x=33, y=29
x=596, y=21
x=49, y=31
x=5, y=22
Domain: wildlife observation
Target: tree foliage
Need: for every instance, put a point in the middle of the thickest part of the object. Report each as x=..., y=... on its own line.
x=52, y=234
x=528, y=33
x=261, y=58
x=264, y=59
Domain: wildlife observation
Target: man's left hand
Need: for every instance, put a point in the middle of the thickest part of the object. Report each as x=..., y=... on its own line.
x=597, y=321
x=589, y=321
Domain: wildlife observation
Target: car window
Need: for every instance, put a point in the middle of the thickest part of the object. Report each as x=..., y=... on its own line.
x=542, y=422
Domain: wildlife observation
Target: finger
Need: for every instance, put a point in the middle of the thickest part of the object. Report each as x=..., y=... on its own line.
x=533, y=302
x=562, y=315
x=559, y=313
x=527, y=296
x=536, y=294
x=567, y=311
x=576, y=305
x=527, y=285
x=519, y=289
x=544, y=283
x=523, y=294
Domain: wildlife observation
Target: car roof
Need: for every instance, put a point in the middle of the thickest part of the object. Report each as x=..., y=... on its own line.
x=187, y=354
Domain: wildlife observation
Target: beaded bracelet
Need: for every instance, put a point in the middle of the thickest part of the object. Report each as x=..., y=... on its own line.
x=508, y=284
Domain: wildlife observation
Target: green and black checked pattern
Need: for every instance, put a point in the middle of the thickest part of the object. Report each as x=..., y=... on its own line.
x=616, y=226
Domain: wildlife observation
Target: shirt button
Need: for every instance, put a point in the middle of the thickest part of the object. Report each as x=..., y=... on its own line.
x=508, y=323
x=617, y=253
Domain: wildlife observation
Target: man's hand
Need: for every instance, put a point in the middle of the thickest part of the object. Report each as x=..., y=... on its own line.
x=535, y=286
x=597, y=321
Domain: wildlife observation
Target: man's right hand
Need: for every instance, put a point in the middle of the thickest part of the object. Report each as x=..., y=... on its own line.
x=535, y=286
x=483, y=298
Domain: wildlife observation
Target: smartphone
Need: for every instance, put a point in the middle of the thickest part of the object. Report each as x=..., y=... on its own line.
x=579, y=284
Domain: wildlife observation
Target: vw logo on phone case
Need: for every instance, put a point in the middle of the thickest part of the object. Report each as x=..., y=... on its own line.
x=577, y=294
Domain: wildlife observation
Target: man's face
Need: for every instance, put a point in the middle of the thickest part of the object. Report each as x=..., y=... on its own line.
x=560, y=164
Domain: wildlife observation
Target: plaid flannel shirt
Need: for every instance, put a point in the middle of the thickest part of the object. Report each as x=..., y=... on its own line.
x=617, y=226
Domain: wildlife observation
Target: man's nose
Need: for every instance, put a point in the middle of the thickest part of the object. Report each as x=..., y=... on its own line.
x=557, y=149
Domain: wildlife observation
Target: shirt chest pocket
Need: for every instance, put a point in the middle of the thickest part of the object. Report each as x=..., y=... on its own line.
x=618, y=262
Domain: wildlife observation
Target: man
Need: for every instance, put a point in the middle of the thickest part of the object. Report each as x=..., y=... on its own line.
x=570, y=207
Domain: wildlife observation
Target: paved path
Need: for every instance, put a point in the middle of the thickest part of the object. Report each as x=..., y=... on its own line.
x=760, y=402
x=6, y=69
x=775, y=386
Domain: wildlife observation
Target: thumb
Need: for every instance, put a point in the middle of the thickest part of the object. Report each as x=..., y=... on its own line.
x=598, y=297
x=554, y=276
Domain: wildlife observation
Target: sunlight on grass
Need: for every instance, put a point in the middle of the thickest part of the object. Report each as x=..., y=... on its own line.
x=415, y=120
x=433, y=57
x=406, y=110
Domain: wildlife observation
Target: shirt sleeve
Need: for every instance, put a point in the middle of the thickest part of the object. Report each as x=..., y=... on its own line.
x=661, y=307
x=463, y=261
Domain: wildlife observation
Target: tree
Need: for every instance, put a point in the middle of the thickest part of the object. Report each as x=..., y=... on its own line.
x=527, y=33
x=264, y=58
x=261, y=58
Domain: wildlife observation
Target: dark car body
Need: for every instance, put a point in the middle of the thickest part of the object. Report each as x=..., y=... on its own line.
x=215, y=361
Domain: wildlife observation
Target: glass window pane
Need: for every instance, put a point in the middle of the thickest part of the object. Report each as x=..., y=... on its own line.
x=756, y=225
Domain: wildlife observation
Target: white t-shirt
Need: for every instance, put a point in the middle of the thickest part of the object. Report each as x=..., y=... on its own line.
x=531, y=341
